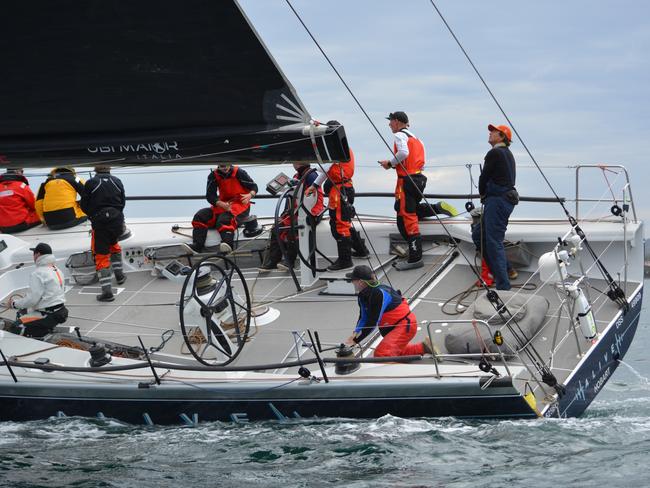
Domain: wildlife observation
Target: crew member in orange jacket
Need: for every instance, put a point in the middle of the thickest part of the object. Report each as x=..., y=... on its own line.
x=17, y=212
x=382, y=306
x=408, y=161
x=338, y=186
x=229, y=192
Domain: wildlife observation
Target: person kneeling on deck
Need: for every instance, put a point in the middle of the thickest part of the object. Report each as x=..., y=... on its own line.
x=45, y=297
x=273, y=254
x=382, y=306
x=104, y=202
x=229, y=192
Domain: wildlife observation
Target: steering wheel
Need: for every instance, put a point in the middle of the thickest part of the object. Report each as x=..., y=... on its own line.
x=215, y=311
x=295, y=200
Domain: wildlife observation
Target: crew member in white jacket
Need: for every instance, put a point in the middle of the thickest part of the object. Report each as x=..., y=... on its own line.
x=45, y=297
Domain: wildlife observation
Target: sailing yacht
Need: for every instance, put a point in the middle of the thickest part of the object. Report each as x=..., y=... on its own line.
x=250, y=346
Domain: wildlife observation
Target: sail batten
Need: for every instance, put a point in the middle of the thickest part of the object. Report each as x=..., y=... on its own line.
x=145, y=82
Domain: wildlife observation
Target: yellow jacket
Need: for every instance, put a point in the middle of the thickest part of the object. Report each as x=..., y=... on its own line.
x=56, y=202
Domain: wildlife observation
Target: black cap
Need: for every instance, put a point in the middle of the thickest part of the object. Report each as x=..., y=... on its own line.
x=401, y=116
x=361, y=272
x=41, y=248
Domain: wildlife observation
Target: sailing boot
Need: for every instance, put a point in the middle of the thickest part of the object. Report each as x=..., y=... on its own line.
x=116, y=265
x=486, y=275
x=289, y=261
x=444, y=208
x=199, y=235
x=430, y=348
x=272, y=256
x=105, y=283
x=359, y=249
x=344, y=261
x=227, y=242
x=415, y=255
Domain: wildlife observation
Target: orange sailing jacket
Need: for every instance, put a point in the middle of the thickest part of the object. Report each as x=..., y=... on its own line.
x=414, y=162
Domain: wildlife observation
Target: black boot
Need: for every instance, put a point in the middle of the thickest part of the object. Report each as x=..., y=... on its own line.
x=289, y=260
x=105, y=282
x=199, y=235
x=358, y=245
x=116, y=264
x=227, y=242
x=415, y=255
x=344, y=245
x=272, y=256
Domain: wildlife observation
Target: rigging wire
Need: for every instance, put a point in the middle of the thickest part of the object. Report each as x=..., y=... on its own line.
x=535, y=357
x=616, y=294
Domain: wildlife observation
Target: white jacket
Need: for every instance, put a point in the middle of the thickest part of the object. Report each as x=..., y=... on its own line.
x=46, y=285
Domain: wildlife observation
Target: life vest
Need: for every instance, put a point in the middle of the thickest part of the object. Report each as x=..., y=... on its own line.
x=342, y=173
x=318, y=207
x=231, y=190
x=414, y=162
x=399, y=316
x=16, y=201
x=56, y=201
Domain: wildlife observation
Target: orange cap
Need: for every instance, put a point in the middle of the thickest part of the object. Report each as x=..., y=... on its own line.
x=504, y=129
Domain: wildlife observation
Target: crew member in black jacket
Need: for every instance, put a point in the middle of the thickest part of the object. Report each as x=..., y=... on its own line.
x=496, y=186
x=103, y=201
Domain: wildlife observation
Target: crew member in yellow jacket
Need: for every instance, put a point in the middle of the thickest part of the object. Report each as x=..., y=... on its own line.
x=56, y=202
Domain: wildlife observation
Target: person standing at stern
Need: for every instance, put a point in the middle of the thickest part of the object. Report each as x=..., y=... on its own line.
x=496, y=185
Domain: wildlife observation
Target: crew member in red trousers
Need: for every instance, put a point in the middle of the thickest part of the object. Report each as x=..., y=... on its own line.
x=408, y=162
x=382, y=306
x=229, y=192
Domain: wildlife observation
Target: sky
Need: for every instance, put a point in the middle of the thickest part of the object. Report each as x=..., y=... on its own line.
x=572, y=76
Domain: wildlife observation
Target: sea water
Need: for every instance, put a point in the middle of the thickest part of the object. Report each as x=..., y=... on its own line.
x=608, y=446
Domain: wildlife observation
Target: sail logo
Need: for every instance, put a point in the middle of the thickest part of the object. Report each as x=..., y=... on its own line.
x=151, y=148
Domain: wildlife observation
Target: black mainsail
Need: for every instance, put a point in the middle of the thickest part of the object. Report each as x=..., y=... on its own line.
x=146, y=82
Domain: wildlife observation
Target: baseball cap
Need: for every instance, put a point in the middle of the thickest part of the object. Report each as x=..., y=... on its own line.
x=400, y=116
x=361, y=272
x=41, y=248
x=504, y=129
